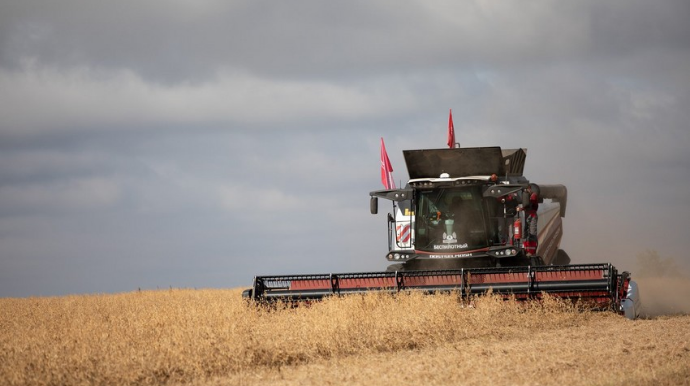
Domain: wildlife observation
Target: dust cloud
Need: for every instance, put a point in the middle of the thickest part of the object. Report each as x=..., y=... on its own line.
x=664, y=286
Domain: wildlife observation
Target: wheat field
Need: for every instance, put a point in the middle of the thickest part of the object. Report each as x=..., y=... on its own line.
x=212, y=337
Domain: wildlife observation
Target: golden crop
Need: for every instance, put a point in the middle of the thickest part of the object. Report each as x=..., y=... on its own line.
x=214, y=337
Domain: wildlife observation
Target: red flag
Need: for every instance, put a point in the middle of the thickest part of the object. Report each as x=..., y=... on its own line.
x=451, y=130
x=386, y=169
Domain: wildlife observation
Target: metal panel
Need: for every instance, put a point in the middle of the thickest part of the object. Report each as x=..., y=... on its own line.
x=458, y=162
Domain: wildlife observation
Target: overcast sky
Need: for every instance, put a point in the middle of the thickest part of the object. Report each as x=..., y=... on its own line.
x=149, y=144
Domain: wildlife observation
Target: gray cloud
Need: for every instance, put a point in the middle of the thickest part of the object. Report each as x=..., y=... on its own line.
x=178, y=42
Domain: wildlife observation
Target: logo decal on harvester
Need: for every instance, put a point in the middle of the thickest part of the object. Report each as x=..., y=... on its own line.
x=457, y=255
x=449, y=239
x=455, y=246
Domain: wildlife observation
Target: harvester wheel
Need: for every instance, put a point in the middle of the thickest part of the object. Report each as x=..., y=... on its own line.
x=562, y=258
x=536, y=261
x=395, y=268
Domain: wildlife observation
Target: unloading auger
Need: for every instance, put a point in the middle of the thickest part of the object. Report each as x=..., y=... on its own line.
x=468, y=221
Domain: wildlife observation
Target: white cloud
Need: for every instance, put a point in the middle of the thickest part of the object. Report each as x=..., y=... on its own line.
x=48, y=101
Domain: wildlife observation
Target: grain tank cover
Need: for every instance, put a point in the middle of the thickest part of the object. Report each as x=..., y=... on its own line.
x=463, y=162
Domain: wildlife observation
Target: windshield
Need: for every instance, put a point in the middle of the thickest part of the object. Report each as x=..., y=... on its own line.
x=453, y=219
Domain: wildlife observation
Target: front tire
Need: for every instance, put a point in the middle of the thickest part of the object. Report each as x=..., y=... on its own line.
x=396, y=268
x=562, y=258
x=536, y=261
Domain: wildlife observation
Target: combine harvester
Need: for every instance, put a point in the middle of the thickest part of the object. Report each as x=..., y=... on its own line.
x=469, y=221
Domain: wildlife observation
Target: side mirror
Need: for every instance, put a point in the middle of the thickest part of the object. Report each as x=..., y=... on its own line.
x=374, y=205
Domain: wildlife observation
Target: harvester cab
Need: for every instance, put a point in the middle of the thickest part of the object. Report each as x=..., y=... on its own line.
x=472, y=207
